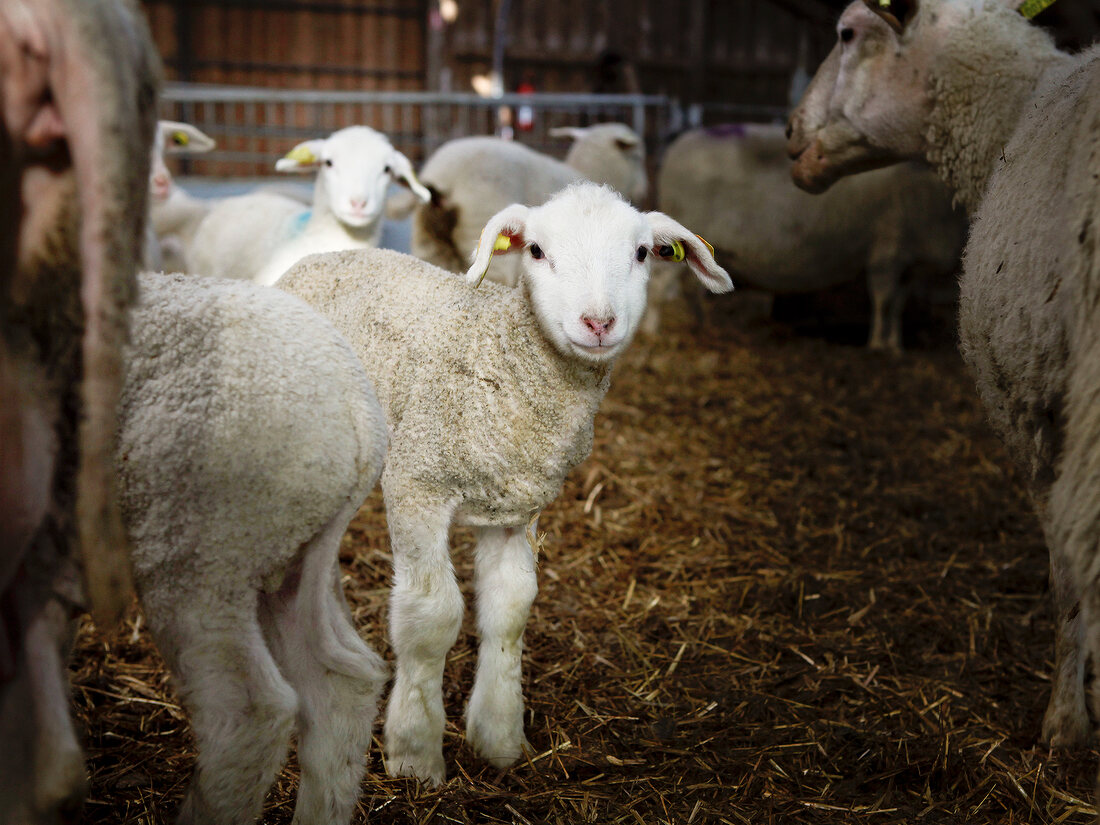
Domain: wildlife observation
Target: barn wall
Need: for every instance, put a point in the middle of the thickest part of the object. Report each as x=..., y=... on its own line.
x=742, y=51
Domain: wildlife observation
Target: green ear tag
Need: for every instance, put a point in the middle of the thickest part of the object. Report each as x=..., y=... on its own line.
x=181, y=138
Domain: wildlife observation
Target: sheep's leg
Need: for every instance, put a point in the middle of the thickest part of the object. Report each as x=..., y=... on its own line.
x=506, y=586
x=1066, y=721
x=338, y=679
x=242, y=709
x=887, y=300
x=425, y=617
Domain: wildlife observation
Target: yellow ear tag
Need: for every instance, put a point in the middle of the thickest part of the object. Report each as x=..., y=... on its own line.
x=181, y=138
x=302, y=154
x=502, y=244
x=1030, y=8
x=710, y=248
x=673, y=251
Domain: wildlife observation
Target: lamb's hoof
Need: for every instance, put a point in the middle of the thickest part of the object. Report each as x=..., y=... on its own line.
x=421, y=764
x=502, y=750
x=1066, y=728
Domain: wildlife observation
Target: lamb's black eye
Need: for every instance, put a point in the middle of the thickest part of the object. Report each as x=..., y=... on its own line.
x=328, y=162
x=847, y=34
x=536, y=252
x=641, y=253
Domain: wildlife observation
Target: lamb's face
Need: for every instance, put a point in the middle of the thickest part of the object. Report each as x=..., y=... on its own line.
x=172, y=137
x=586, y=260
x=586, y=267
x=355, y=167
x=868, y=104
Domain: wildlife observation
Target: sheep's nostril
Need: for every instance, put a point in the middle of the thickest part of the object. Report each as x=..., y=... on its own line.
x=598, y=326
x=790, y=130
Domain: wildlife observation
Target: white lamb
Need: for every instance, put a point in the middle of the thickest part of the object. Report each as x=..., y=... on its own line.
x=1010, y=123
x=732, y=184
x=473, y=178
x=174, y=215
x=249, y=437
x=259, y=236
x=490, y=396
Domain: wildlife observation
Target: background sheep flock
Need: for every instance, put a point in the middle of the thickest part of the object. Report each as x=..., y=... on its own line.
x=497, y=485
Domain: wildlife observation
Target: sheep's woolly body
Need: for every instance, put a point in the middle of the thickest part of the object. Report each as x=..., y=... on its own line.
x=1027, y=316
x=249, y=438
x=971, y=118
x=732, y=186
x=239, y=235
x=516, y=420
x=205, y=406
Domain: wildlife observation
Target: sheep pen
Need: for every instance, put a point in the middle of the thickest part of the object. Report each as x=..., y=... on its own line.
x=795, y=582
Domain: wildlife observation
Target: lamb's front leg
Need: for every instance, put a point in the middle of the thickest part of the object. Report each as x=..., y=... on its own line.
x=506, y=586
x=425, y=617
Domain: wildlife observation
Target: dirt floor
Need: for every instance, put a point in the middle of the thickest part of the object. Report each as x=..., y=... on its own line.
x=795, y=582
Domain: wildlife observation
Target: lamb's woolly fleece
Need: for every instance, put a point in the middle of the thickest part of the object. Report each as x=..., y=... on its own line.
x=516, y=418
x=221, y=469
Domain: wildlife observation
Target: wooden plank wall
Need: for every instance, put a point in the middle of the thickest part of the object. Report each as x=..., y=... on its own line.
x=695, y=50
x=295, y=44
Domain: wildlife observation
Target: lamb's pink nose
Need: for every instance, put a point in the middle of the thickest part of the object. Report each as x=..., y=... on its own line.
x=599, y=326
x=161, y=183
x=358, y=205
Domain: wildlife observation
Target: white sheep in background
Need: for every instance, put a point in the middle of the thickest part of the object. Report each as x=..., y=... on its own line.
x=732, y=185
x=1010, y=123
x=249, y=438
x=174, y=215
x=77, y=116
x=258, y=236
x=473, y=178
x=490, y=396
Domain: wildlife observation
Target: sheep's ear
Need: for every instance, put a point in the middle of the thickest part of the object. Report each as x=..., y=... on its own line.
x=572, y=132
x=179, y=137
x=503, y=233
x=897, y=13
x=305, y=157
x=401, y=170
x=673, y=242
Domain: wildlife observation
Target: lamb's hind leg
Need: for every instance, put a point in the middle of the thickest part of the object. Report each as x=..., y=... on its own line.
x=506, y=586
x=425, y=617
x=338, y=679
x=242, y=709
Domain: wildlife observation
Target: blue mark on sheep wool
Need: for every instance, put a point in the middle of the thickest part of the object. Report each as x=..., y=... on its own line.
x=298, y=226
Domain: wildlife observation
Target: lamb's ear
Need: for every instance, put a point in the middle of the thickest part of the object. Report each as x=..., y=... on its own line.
x=673, y=242
x=183, y=137
x=503, y=233
x=305, y=157
x=572, y=132
x=898, y=13
x=401, y=170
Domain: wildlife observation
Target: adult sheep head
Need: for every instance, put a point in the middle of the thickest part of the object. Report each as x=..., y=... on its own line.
x=586, y=261
x=354, y=167
x=871, y=102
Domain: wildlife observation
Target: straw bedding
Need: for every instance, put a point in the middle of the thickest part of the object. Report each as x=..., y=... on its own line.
x=795, y=582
